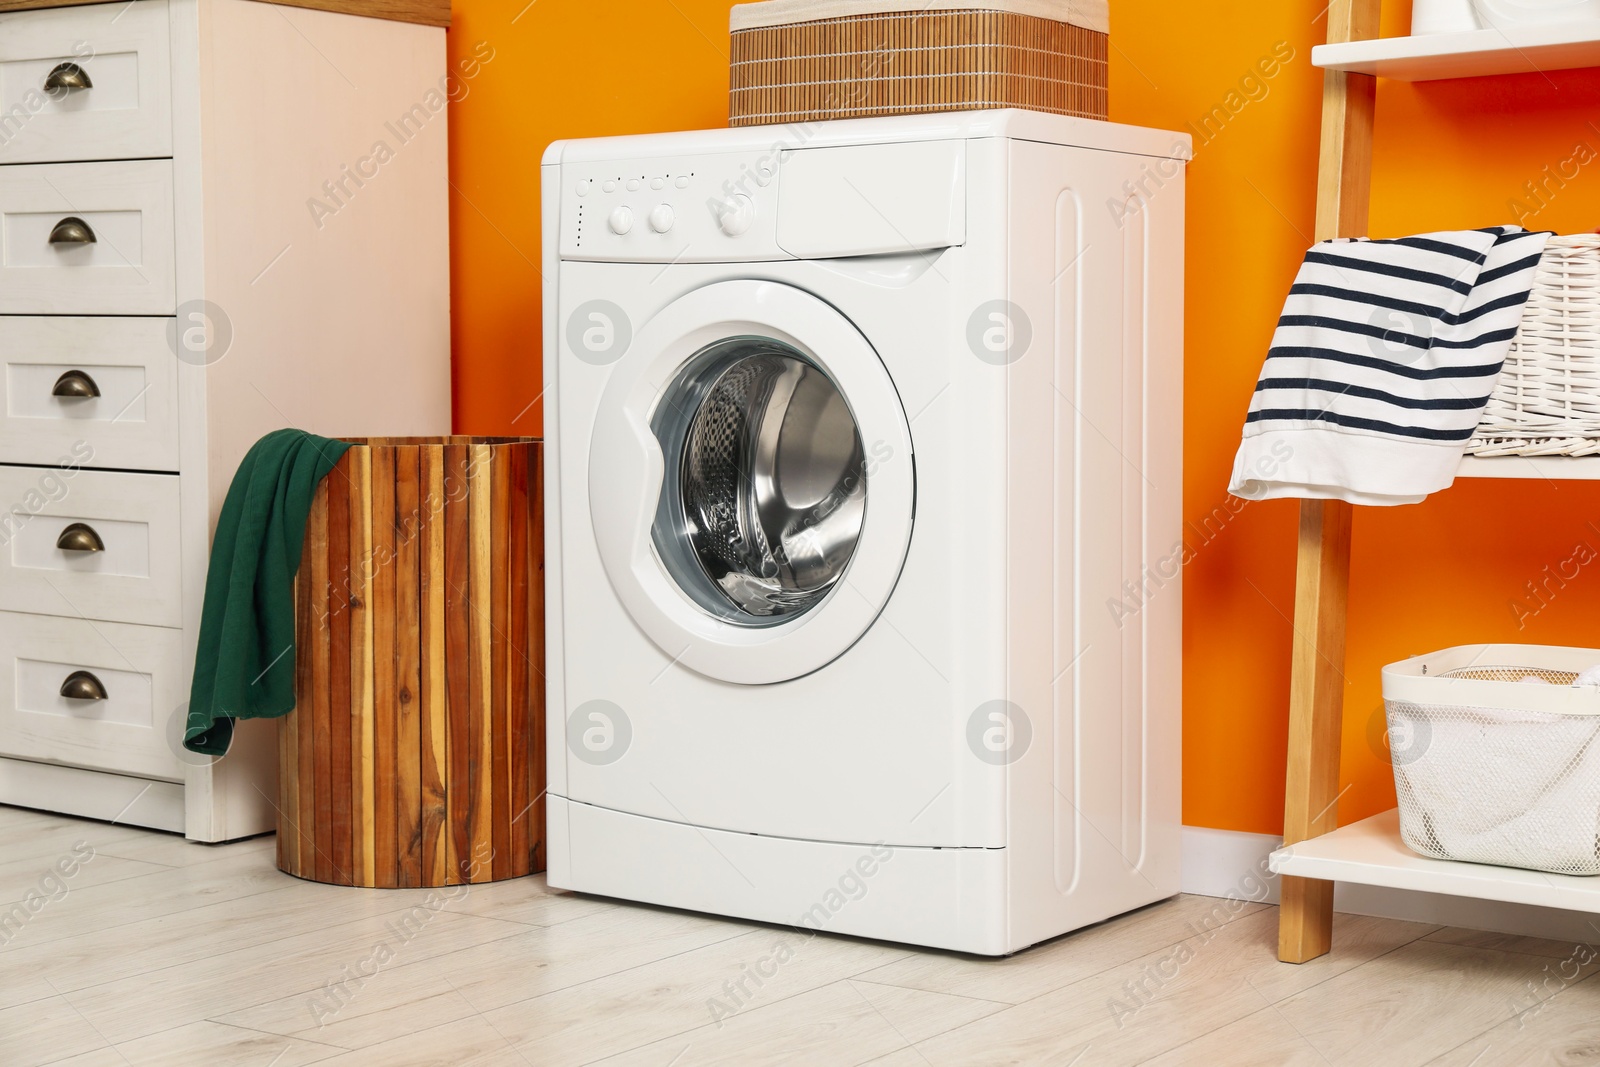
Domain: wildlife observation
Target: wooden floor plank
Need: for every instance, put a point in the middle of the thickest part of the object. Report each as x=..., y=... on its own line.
x=153, y=959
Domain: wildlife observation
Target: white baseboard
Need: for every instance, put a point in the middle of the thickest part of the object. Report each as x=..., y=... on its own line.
x=1233, y=864
x=1229, y=863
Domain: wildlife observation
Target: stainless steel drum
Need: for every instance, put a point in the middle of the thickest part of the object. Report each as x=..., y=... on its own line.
x=765, y=486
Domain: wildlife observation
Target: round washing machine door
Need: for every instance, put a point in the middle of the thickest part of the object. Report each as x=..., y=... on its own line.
x=751, y=482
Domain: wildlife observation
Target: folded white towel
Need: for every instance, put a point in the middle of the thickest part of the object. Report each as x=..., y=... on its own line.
x=1381, y=365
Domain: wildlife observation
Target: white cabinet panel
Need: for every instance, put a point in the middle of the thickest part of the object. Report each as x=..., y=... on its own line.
x=132, y=424
x=127, y=268
x=133, y=577
x=123, y=52
x=131, y=729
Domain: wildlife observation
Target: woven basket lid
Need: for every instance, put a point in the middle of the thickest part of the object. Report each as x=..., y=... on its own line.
x=1089, y=14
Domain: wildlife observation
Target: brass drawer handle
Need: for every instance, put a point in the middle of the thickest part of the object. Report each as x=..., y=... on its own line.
x=72, y=231
x=81, y=685
x=80, y=537
x=65, y=77
x=75, y=384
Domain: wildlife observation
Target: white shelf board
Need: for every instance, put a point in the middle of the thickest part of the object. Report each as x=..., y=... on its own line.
x=1467, y=55
x=1550, y=468
x=1370, y=853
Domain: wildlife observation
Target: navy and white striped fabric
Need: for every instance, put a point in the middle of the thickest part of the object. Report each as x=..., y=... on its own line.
x=1382, y=363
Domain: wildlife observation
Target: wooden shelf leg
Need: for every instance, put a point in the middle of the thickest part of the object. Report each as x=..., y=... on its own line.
x=1316, y=712
x=1322, y=582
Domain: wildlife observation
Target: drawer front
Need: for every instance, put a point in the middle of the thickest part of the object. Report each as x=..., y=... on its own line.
x=132, y=729
x=122, y=52
x=49, y=265
x=55, y=514
x=129, y=417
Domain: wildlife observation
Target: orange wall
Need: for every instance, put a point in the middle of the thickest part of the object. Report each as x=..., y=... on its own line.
x=1449, y=155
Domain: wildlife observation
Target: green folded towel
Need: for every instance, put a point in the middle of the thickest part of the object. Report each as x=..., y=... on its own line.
x=244, y=668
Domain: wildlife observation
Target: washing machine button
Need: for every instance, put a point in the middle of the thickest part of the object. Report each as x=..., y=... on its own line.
x=736, y=214
x=621, y=220
x=661, y=218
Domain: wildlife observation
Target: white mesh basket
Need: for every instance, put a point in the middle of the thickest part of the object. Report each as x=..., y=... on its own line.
x=1547, y=399
x=1492, y=767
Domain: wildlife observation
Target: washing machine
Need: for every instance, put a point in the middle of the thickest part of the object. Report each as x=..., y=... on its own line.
x=863, y=522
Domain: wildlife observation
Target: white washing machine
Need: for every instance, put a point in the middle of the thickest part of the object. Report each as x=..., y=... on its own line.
x=863, y=522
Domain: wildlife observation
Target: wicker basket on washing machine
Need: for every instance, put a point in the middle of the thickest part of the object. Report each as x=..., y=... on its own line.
x=796, y=61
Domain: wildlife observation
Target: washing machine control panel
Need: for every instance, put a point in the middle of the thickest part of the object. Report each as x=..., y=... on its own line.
x=719, y=208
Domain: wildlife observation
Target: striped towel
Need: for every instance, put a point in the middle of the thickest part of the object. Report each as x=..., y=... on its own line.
x=1381, y=365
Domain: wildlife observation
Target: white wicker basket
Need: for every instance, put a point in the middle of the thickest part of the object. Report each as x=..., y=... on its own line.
x=1547, y=400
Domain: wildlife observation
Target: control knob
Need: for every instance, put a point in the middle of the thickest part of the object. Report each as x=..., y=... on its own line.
x=736, y=214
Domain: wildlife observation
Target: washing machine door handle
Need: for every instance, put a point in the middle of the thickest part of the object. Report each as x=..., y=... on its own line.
x=626, y=470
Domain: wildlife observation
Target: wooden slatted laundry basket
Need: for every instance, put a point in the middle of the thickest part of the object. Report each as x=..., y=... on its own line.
x=415, y=754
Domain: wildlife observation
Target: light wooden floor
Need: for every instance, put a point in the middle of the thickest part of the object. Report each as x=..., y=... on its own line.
x=156, y=951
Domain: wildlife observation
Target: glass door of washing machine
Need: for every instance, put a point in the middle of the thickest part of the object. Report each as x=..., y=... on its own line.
x=766, y=487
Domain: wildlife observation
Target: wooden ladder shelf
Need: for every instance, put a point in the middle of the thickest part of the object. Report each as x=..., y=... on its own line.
x=1317, y=851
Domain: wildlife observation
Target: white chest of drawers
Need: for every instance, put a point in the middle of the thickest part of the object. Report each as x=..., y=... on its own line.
x=197, y=246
